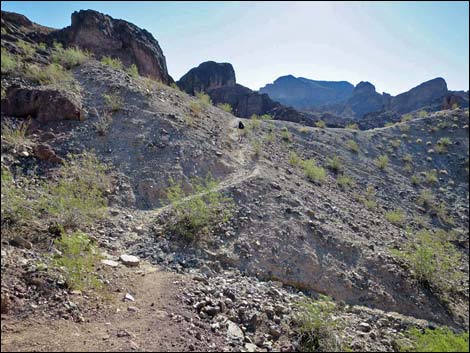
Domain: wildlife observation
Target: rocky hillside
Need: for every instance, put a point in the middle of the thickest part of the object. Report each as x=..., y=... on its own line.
x=240, y=261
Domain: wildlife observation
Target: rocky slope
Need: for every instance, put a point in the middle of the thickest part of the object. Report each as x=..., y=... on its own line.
x=290, y=237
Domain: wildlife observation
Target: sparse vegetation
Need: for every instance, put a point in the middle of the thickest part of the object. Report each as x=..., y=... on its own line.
x=406, y=117
x=285, y=134
x=352, y=126
x=50, y=74
x=195, y=107
x=27, y=48
x=15, y=135
x=294, y=159
x=335, y=164
x=113, y=102
x=313, y=172
x=77, y=260
x=396, y=217
x=133, y=71
x=432, y=260
x=204, y=99
x=225, y=107
x=69, y=57
x=352, y=146
x=9, y=61
x=196, y=215
x=441, y=339
x=381, y=162
x=113, y=62
x=345, y=181
x=103, y=123
x=317, y=326
x=431, y=177
x=320, y=124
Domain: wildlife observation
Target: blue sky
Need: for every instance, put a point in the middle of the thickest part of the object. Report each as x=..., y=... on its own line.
x=394, y=45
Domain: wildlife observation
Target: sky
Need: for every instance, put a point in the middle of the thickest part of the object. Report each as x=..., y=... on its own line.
x=393, y=45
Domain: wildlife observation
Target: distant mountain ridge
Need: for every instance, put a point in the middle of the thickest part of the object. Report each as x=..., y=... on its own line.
x=305, y=93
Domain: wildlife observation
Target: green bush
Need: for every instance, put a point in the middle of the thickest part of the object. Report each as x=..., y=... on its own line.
x=113, y=62
x=225, y=107
x=113, y=102
x=196, y=215
x=335, y=164
x=415, y=180
x=432, y=260
x=352, y=146
x=396, y=217
x=50, y=74
x=316, y=326
x=313, y=172
x=381, y=162
x=426, y=199
x=257, y=147
x=15, y=136
x=204, y=98
x=133, y=71
x=294, y=159
x=441, y=339
x=27, y=48
x=9, y=62
x=352, y=126
x=77, y=198
x=266, y=117
x=320, y=124
x=195, y=107
x=69, y=57
x=78, y=258
x=431, y=177
x=406, y=117
x=345, y=181
x=285, y=134
x=422, y=113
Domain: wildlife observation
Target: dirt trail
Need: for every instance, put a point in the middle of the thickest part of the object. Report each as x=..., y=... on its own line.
x=115, y=326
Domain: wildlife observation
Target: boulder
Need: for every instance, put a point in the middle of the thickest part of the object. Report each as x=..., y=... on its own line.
x=44, y=105
x=105, y=36
x=44, y=152
x=129, y=260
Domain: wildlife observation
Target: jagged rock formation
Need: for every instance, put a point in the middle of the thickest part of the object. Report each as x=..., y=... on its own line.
x=303, y=93
x=207, y=76
x=218, y=81
x=365, y=100
x=106, y=36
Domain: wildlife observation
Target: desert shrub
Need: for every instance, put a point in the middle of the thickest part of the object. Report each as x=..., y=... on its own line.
x=78, y=258
x=195, y=107
x=404, y=128
x=408, y=167
x=204, y=99
x=415, y=180
x=313, y=172
x=113, y=62
x=441, y=339
x=257, y=147
x=266, y=117
x=225, y=107
x=395, y=143
x=113, y=102
x=431, y=177
x=335, y=164
x=27, y=48
x=15, y=203
x=133, y=71
x=445, y=141
x=352, y=146
x=388, y=124
x=9, y=62
x=15, y=135
x=345, y=181
x=406, y=117
x=396, y=217
x=77, y=198
x=352, y=126
x=175, y=86
x=69, y=57
x=408, y=158
x=271, y=137
x=440, y=211
x=432, y=260
x=285, y=134
x=316, y=325
x=426, y=199
x=381, y=162
x=302, y=129
x=104, y=121
x=422, y=113
x=50, y=74
x=320, y=124
x=294, y=159
x=196, y=215
x=441, y=149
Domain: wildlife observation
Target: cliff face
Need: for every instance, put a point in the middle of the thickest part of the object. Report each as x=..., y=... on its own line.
x=105, y=36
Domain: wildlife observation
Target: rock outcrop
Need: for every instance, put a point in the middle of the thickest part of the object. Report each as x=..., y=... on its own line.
x=365, y=100
x=422, y=95
x=207, y=76
x=105, y=36
x=43, y=104
x=301, y=93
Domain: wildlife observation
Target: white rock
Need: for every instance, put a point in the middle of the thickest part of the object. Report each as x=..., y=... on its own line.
x=129, y=297
x=130, y=260
x=110, y=263
x=233, y=331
